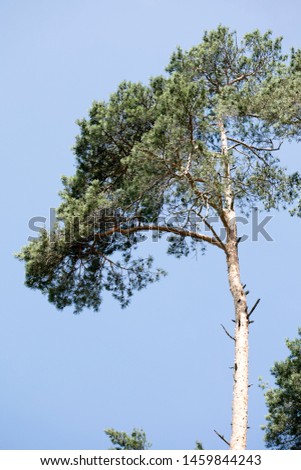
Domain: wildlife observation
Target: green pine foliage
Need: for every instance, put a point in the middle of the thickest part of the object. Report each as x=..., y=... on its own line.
x=123, y=441
x=199, y=446
x=150, y=159
x=283, y=428
x=135, y=441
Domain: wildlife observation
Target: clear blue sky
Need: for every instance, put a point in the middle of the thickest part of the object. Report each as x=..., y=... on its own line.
x=163, y=363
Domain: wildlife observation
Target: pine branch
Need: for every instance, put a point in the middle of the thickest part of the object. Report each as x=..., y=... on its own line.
x=253, y=148
x=162, y=228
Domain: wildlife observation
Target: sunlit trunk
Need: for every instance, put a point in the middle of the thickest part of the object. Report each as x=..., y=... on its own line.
x=241, y=382
x=241, y=359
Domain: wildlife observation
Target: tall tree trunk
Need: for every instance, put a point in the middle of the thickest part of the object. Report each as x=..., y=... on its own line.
x=241, y=360
x=241, y=382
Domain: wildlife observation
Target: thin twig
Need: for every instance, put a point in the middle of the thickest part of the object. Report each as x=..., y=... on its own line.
x=227, y=333
x=222, y=437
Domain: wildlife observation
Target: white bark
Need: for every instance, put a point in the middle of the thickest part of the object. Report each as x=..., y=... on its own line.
x=241, y=383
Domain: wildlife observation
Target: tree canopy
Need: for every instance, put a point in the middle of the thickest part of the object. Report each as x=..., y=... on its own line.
x=152, y=159
x=283, y=428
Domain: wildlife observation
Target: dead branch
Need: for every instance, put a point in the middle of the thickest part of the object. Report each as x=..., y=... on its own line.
x=222, y=437
x=227, y=333
x=253, y=308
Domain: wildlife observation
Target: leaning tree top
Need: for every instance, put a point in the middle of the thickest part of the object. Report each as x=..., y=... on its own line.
x=166, y=157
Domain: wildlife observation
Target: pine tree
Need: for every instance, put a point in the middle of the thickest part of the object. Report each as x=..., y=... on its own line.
x=283, y=428
x=193, y=146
